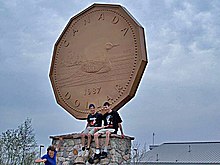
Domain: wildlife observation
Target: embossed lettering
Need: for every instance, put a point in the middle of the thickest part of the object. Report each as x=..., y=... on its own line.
x=119, y=88
x=74, y=32
x=125, y=30
x=66, y=43
x=101, y=17
x=67, y=96
x=115, y=20
x=110, y=99
x=86, y=21
x=77, y=103
x=86, y=105
x=99, y=106
x=92, y=91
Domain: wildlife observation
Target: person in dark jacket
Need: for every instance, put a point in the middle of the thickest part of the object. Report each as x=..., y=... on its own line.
x=112, y=121
x=94, y=120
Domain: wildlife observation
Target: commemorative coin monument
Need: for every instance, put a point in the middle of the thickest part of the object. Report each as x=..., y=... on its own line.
x=100, y=56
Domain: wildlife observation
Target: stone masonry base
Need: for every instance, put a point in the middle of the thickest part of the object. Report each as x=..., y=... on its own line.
x=119, y=150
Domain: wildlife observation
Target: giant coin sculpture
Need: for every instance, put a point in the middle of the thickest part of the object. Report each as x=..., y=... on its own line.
x=100, y=56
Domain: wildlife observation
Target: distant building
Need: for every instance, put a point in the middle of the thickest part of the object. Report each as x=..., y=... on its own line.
x=184, y=153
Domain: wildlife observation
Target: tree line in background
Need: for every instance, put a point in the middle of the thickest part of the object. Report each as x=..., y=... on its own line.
x=18, y=146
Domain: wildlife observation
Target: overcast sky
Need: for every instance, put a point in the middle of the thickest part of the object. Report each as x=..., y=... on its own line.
x=179, y=95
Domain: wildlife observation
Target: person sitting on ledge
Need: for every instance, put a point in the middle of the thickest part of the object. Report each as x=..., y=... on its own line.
x=50, y=157
x=112, y=121
x=94, y=120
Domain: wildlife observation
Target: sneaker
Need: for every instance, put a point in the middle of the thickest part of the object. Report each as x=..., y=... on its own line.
x=91, y=161
x=81, y=153
x=103, y=155
x=96, y=156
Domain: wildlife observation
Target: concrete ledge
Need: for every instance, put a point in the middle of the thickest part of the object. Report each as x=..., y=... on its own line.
x=78, y=136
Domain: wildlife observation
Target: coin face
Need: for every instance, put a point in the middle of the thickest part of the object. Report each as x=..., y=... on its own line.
x=100, y=56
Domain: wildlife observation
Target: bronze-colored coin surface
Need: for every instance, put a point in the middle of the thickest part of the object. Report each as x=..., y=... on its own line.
x=100, y=56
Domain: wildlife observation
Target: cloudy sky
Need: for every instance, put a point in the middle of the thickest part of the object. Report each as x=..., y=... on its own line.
x=179, y=95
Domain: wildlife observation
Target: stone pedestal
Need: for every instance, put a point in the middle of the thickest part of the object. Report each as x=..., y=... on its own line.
x=119, y=150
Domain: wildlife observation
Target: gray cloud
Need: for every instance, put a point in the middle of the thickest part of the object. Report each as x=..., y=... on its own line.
x=178, y=97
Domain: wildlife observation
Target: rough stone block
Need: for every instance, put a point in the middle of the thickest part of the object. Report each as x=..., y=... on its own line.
x=119, y=150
